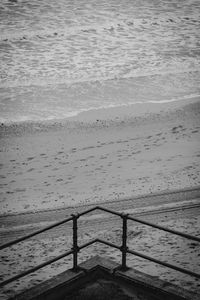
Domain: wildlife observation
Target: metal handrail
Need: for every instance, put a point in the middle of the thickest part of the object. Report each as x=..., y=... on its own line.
x=75, y=249
x=40, y=266
x=182, y=270
x=188, y=236
x=150, y=258
x=182, y=234
x=34, y=233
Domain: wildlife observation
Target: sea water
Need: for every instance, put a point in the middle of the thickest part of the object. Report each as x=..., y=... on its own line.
x=61, y=57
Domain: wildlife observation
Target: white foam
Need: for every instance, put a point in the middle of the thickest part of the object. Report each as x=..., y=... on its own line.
x=23, y=82
x=56, y=45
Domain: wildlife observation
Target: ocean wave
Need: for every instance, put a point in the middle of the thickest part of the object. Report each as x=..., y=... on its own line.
x=70, y=114
x=56, y=81
x=185, y=97
x=39, y=48
x=124, y=23
x=55, y=53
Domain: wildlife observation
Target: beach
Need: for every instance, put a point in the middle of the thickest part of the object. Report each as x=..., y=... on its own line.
x=99, y=105
x=98, y=157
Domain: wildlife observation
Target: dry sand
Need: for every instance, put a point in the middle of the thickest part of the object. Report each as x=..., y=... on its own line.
x=102, y=156
x=152, y=242
x=99, y=156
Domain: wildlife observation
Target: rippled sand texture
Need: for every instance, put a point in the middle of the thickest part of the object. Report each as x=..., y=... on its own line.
x=49, y=48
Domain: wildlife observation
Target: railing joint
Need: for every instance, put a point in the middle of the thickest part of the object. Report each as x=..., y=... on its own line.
x=75, y=215
x=124, y=248
x=124, y=216
x=120, y=268
x=76, y=269
x=76, y=249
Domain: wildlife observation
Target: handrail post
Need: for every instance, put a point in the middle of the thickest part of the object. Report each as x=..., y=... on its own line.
x=124, y=247
x=75, y=247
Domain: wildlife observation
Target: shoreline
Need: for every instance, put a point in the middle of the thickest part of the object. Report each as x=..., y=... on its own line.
x=113, y=114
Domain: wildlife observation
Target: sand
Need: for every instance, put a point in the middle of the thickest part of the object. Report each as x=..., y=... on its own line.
x=102, y=156
x=152, y=242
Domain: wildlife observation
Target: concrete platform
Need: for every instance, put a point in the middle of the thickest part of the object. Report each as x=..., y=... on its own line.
x=101, y=279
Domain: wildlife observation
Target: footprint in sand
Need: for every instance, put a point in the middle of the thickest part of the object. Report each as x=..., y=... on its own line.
x=60, y=152
x=19, y=190
x=30, y=170
x=10, y=192
x=59, y=180
x=26, y=206
x=136, y=152
x=177, y=129
x=30, y=158
x=195, y=131
x=83, y=159
x=64, y=163
x=103, y=157
x=12, y=181
x=73, y=150
x=87, y=148
x=119, y=142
